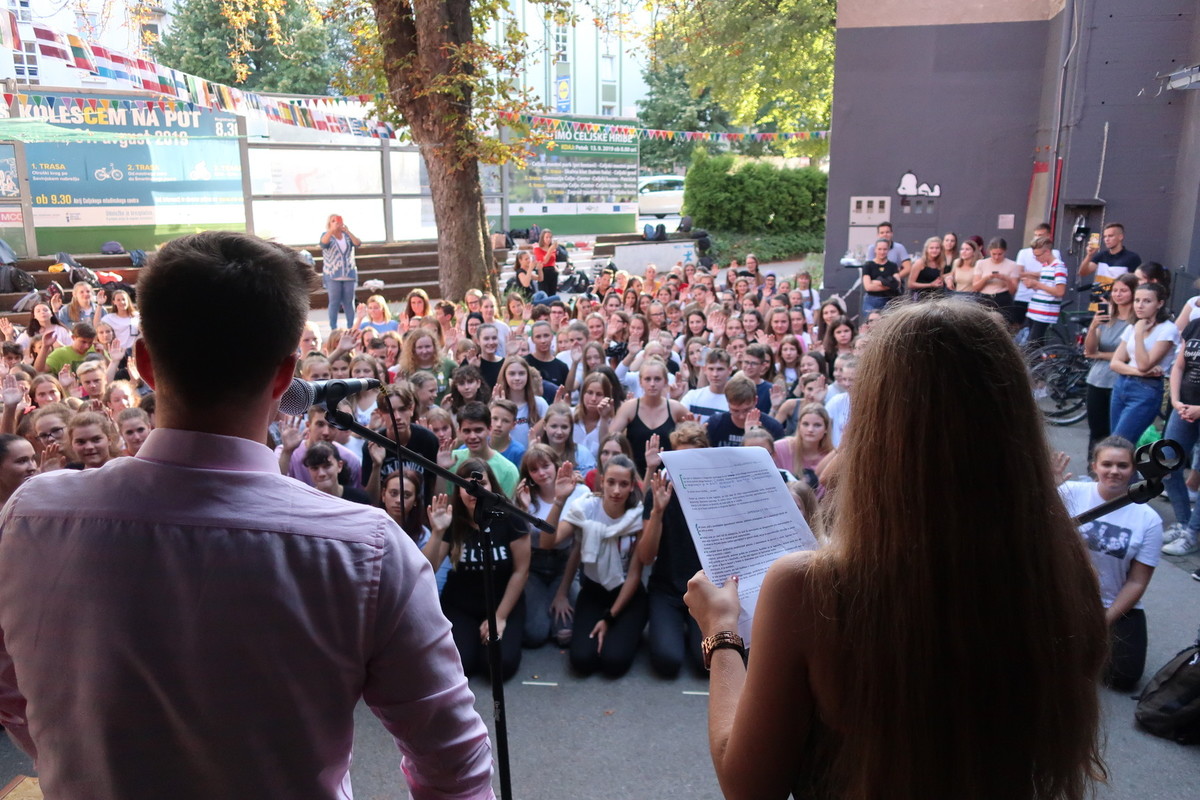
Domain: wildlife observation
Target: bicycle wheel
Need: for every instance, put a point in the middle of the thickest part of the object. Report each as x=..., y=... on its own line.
x=1063, y=396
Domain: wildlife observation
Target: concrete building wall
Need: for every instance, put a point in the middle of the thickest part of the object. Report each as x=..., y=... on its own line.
x=993, y=73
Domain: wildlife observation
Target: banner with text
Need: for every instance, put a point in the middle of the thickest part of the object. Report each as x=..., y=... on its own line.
x=168, y=170
x=583, y=181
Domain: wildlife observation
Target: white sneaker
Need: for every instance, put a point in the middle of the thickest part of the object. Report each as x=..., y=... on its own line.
x=1185, y=545
x=1174, y=532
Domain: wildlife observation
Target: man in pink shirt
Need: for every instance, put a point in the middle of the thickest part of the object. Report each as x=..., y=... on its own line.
x=190, y=623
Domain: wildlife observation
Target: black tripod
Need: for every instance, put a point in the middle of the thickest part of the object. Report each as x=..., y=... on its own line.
x=489, y=507
x=1152, y=462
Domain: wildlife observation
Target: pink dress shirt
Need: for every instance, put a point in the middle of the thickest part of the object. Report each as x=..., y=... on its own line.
x=190, y=623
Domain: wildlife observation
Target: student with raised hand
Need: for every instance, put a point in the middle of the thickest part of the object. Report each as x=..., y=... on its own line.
x=652, y=414
x=610, y=611
x=841, y=701
x=667, y=550
x=547, y=486
x=455, y=533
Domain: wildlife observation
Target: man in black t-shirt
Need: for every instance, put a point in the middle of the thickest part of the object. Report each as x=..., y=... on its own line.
x=542, y=357
x=420, y=440
x=1113, y=260
x=726, y=429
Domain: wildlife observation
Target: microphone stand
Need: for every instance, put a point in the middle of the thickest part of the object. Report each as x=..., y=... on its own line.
x=1153, y=463
x=489, y=506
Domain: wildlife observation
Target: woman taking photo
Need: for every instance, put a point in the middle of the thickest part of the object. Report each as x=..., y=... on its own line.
x=1124, y=547
x=1103, y=337
x=1140, y=361
x=841, y=701
x=454, y=533
x=528, y=274
x=545, y=256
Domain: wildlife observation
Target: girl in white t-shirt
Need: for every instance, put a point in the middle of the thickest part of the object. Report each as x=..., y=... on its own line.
x=1140, y=361
x=1123, y=546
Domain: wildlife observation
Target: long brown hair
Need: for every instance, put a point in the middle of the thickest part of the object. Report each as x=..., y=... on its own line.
x=969, y=629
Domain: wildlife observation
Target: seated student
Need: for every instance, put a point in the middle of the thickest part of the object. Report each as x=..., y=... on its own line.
x=504, y=419
x=404, y=503
x=489, y=348
x=558, y=431
x=547, y=486
x=330, y=474
x=83, y=336
x=92, y=379
x=134, y=426
x=709, y=400
x=610, y=611
x=812, y=390
x=466, y=385
x=667, y=550
x=726, y=428
x=474, y=428
x=839, y=406
x=294, y=445
x=542, y=357
x=455, y=533
x=395, y=409
x=91, y=441
x=49, y=426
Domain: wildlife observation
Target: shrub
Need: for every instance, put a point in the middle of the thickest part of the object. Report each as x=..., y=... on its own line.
x=755, y=198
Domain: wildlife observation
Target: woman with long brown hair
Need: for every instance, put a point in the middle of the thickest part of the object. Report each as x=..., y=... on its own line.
x=903, y=660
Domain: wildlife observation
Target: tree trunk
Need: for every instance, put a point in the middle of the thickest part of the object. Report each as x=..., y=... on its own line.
x=430, y=84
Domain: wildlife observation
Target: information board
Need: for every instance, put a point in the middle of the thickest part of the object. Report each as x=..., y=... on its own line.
x=170, y=168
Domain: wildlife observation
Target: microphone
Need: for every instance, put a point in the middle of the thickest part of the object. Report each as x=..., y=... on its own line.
x=302, y=395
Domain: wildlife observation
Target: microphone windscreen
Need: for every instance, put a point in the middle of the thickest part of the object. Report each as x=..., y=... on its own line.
x=298, y=398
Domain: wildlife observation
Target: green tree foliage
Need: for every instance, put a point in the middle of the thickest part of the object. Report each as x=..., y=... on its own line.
x=299, y=56
x=769, y=62
x=672, y=104
x=755, y=197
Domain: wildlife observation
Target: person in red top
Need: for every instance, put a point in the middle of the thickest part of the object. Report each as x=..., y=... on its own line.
x=545, y=253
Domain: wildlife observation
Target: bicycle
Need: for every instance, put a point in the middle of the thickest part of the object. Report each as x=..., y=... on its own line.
x=1059, y=370
x=111, y=171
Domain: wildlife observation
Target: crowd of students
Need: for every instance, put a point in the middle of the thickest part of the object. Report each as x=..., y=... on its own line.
x=564, y=406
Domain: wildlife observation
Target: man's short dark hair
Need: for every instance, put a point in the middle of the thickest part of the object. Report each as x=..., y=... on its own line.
x=884, y=224
x=12, y=349
x=83, y=330
x=475, y=411
x=263, y=285
x=1116, y=225
x=560, y=304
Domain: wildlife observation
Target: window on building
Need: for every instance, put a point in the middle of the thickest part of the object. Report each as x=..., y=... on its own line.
x=607, y=110
x=149, y=32
x=561, y=40
x=21, y=9
x=87, y=24
x=25, y=63
x=608, y=68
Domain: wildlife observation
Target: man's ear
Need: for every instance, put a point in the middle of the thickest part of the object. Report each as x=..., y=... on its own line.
x=145, y=367
x=283, y=375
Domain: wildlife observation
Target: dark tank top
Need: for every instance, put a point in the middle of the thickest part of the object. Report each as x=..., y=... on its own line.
x=639, y=434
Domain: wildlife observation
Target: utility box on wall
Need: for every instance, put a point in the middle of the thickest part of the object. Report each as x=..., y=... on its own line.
x=865, y=215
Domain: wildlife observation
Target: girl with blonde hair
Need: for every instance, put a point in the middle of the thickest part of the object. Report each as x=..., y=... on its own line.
x=903, y=660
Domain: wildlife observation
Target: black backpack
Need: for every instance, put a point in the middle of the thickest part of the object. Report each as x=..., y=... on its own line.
x=1170, y=704
x=19, y=280
x=81, y=274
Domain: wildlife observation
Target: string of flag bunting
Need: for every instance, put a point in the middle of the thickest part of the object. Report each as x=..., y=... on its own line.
x=181, y=91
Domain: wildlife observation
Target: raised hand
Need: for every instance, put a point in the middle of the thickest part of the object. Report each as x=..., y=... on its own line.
x=778, y=393
x=661, y=486
x=6, y=327
x=564, y=481
x=289, y=433
x=11, y=391
x=562, y=395
x=66, y=377
x=52, y=457
x=605, y=407
x=753, y=418
x=347, y=342
x=115, y=351
x=377, y=453
x=445, y=456
x=523, y=494
x=677, y=389
x=653, y=448
x=56, y=303
x=440, y=514
x=1058, y=466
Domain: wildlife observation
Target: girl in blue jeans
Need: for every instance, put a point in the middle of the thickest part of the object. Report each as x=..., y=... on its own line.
x=1183, y=426
x=1144, y=354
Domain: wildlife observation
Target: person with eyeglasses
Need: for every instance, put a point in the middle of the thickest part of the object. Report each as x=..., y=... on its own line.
x=49, y=431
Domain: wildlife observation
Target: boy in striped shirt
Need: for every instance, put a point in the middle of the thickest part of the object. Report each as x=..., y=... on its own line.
x=1048, y=287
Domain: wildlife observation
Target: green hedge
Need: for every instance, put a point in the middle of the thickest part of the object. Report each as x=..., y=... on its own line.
x=767, y=247
x=755, y=198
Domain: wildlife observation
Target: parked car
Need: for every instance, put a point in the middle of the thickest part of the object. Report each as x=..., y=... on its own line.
x=660, y=195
